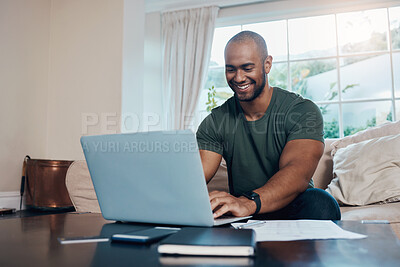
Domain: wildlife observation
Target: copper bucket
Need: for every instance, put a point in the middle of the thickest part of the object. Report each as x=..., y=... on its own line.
x=45, y=184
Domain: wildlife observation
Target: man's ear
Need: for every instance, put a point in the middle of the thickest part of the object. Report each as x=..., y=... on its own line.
x=268, y=64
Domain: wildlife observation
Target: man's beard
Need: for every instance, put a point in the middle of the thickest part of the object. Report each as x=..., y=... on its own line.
x=257, y=91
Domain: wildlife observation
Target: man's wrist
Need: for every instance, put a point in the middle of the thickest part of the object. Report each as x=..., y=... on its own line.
x=254, y=198
x=250, y=204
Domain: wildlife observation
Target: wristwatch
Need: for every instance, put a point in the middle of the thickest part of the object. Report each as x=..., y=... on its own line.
x=256, y=198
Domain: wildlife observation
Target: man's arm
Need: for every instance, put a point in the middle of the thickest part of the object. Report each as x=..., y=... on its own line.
x=210, y=161
x=297, y=164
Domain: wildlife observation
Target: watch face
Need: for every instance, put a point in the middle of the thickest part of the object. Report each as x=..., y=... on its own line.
x=250, y=195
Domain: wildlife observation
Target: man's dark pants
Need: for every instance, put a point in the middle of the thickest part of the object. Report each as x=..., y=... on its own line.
x=313, y=203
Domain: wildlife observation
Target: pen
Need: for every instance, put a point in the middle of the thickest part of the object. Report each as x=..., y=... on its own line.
x=82, y=239
x=250, y=224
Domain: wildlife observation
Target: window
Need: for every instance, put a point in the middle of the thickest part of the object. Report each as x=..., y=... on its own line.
x=347, y=63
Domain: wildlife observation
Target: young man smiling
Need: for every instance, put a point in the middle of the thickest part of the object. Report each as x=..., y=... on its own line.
x=271, y=140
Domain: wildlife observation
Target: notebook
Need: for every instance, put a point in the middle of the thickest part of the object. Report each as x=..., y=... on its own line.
x=210, y=242
x=150, y=177
x=169, y=260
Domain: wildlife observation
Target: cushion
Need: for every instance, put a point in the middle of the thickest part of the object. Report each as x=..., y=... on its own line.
x=390, y=212
x=80, y=188
x=367, y=172
x=389, y=128
x=323, y=174
x=220, y=180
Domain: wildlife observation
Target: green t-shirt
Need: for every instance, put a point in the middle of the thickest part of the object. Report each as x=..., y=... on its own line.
x=252, y=149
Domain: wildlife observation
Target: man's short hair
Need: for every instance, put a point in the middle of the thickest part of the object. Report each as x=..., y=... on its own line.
x=245, y=36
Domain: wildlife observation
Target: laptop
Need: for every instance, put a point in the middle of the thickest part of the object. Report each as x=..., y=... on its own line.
x=150, y=177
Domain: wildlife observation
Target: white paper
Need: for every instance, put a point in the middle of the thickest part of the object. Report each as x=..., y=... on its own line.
x=289, y=230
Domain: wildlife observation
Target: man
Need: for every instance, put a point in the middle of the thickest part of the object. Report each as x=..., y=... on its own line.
x=271, y=140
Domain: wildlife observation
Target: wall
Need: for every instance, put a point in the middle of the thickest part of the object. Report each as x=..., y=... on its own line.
x=61, y=76
x=133, y=61
x=24, y=48
x=85, y=73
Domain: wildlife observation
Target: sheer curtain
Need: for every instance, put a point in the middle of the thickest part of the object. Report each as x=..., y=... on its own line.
x=187, y=37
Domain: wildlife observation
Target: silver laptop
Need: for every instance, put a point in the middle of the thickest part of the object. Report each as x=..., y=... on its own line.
x=150, y=177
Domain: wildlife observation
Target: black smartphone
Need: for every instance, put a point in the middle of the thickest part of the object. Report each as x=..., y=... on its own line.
x=145, y=236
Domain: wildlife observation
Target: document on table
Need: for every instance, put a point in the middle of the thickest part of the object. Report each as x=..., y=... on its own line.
x=289, y=230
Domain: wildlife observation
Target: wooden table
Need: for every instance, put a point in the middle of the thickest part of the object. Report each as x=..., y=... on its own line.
x=32, y=241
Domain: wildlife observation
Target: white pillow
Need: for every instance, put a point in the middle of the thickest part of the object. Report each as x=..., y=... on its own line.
x=80, y=188
x=388, y=128
x=367, y=172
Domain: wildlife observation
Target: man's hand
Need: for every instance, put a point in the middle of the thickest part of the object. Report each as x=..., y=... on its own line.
x=223, y=203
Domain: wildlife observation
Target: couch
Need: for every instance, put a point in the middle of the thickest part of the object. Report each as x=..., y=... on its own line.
x=83, y=197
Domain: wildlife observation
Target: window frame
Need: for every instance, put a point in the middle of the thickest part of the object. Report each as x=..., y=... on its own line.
x=339, y=101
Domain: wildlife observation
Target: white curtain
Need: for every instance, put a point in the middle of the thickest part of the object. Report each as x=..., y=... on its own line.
x=187, y=38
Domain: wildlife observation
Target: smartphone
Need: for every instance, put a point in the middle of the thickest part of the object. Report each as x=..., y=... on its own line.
x=145, y=236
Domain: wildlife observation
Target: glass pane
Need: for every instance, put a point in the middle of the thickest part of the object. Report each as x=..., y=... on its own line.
x=315, y=79
x=275, y=35
x=312, y=37
x=201, y=104
x=330, y=112
x=278, y=75
x=398, y=110
x=362, y=31
x=394, y=15
x=221, y=37
x=362, y=77
x=216, y=78
x=359, y=116
x=208, y=102
x=396, y=73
